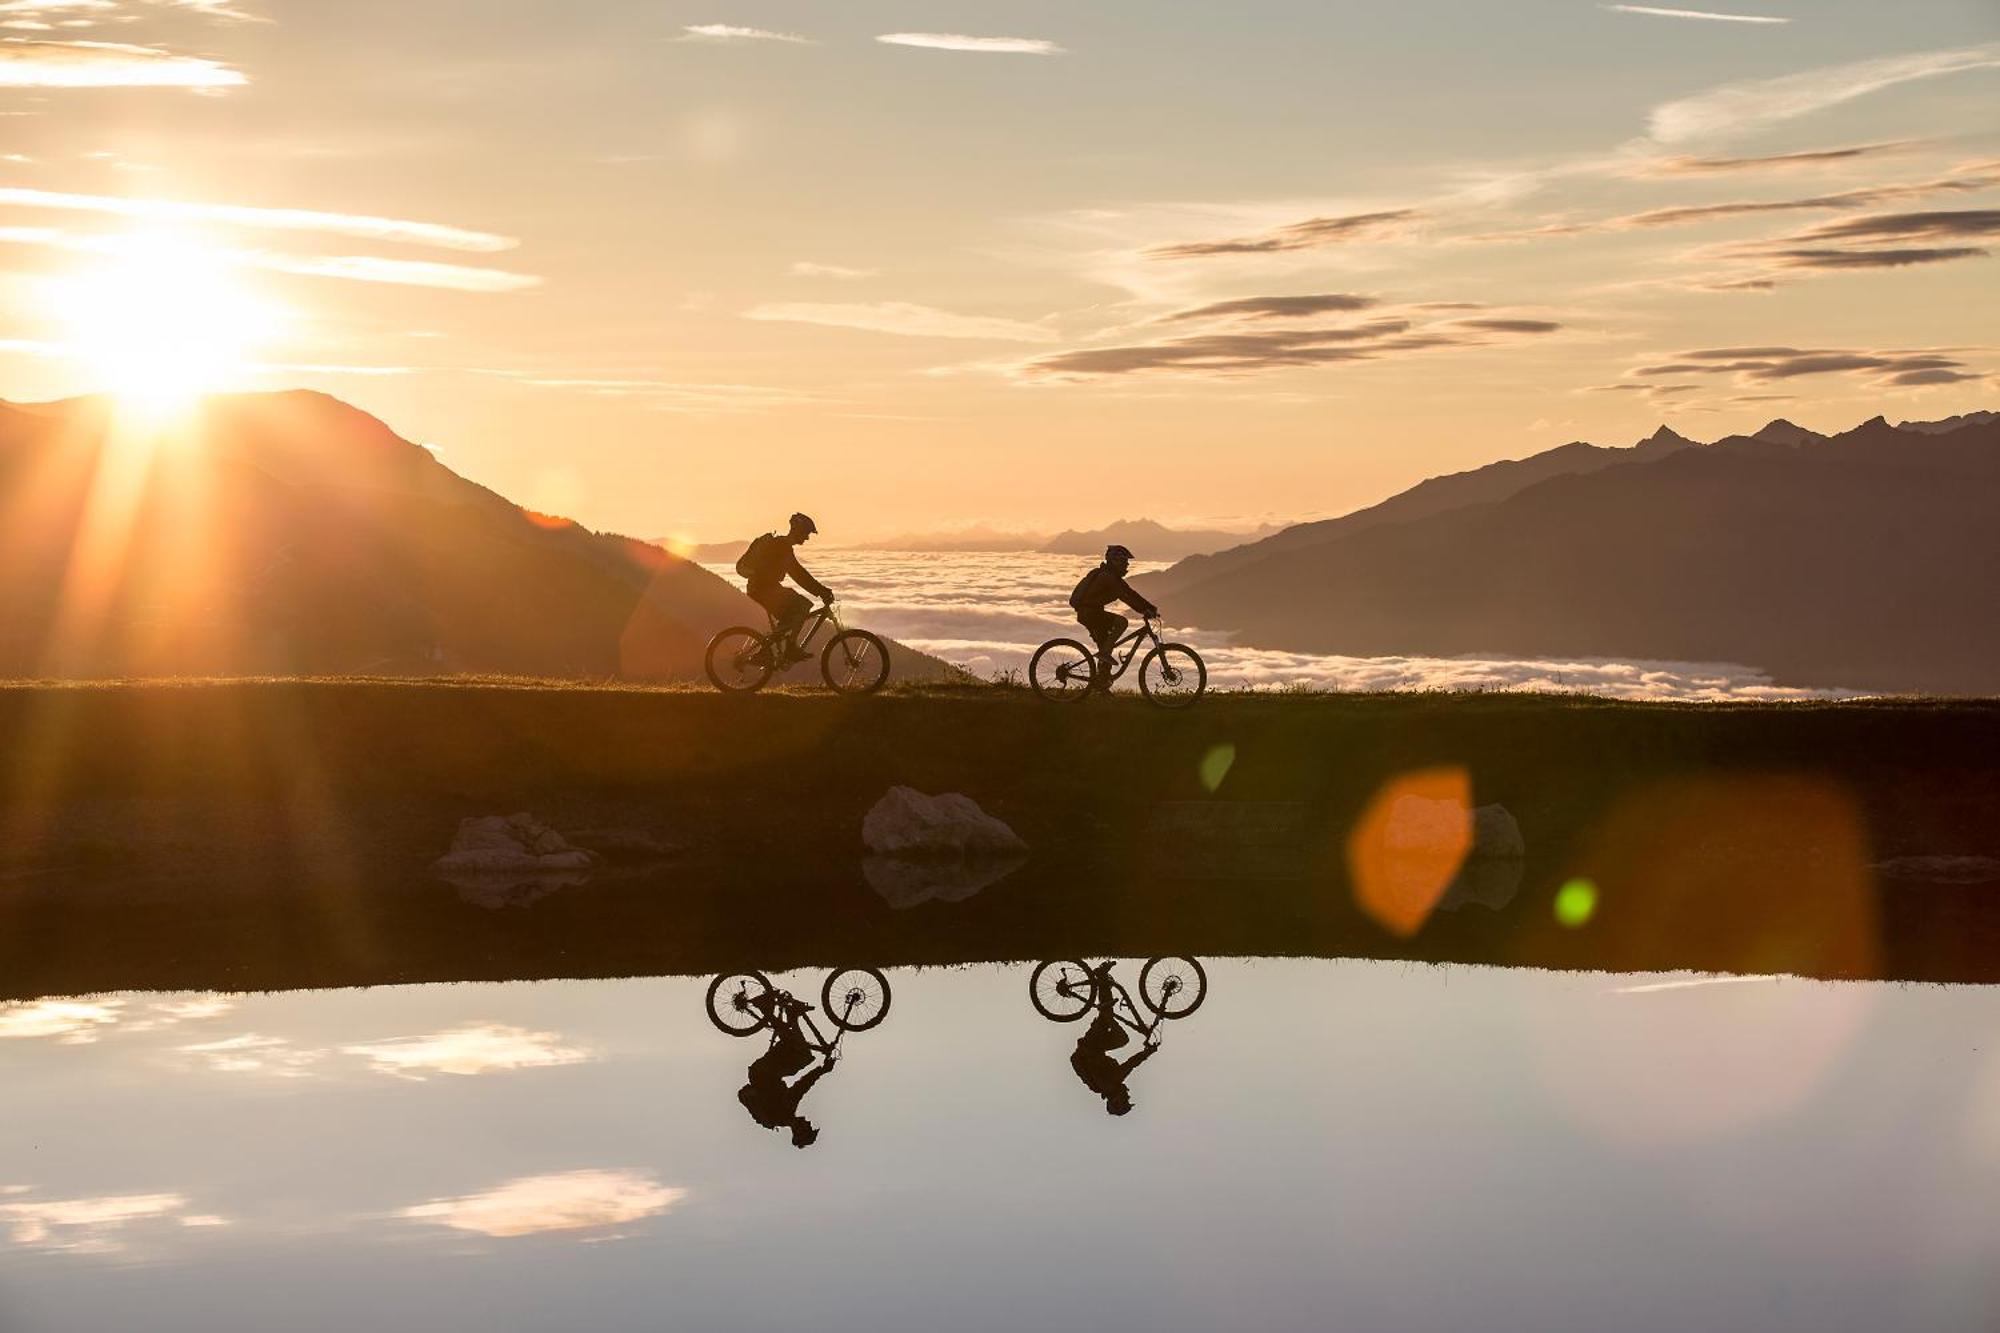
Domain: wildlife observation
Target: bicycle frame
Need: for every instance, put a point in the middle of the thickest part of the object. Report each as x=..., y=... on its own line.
x=809, y=628
x=1120, y=995
x=1148, y=629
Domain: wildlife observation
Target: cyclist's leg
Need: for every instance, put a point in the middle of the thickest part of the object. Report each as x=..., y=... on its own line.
x=1106, y=628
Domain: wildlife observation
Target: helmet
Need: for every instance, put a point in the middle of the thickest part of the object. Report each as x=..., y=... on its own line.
x=804, y=521
x=1117, y=553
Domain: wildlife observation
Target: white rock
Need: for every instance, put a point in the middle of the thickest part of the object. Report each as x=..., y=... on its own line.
x=906, y=822
x=499, y=844
x=1495, y=832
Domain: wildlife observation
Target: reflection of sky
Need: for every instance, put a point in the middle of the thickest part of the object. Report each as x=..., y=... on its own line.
x=1362, y=1145
x=988, y=612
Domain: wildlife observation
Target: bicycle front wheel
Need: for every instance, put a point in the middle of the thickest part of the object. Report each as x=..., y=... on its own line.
x=855, y=998
x=738, y=660
x=1173, y=987
x=729, y=1002
x=1173, y=675
x=1062, y=669
x=855, y=662
x=1062, y=990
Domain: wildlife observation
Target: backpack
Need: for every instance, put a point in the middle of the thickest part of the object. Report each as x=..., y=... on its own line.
x=1080, y=597
x=762, y=560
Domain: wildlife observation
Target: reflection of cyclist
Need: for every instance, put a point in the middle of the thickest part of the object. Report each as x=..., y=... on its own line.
x=771, y=560
x=1101, y=587
x=770, y=1100
x=1092, y=1059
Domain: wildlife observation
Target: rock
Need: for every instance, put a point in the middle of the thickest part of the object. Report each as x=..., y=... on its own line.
x=510, y=844
x=1495, y=832
x=905, y=881
x=1492, y=872
x=1940, y=869
x=906, y=822
x=1419, y=824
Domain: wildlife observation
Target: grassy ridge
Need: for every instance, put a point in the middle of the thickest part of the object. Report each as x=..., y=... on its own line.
x=276, y=833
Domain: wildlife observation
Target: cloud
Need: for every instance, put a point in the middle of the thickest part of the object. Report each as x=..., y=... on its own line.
x=1777, y=162
x=1510, y=325
x=360, y=225
x=41, y=64
x=805, y=268
x=1868, y=242
x=1904, y=226
x=569, y=1201
x=1692, y=14
x=1275, y=307
x=952, y=41
x=668, y=395
x=903, y=318
x=1741, y=107
x=400, y=272
x=1750, y=367
x=1857, y=259
x=1307, y=235
x=477, y=1049
x=729, y=32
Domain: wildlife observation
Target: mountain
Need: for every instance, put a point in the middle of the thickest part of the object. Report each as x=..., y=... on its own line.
x=1950, y=423
x=1782, y=431
x=1865, y=559
x=289, y=533
x=961, y=539
x=1148, y=540
x=1495, y=481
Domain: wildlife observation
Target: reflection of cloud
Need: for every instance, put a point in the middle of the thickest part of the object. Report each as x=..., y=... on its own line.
x=903, y=881
x=251, y=1053
x=953, y=41
x=90, y=1225
x=569, y=1201
x=38, y=64
x=1741, y=107
x=904, y=318
x=467, y=1050
x=71, y=1022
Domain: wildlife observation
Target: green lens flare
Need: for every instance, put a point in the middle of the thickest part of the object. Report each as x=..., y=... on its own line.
x=1214, y=766
x=1576, y=903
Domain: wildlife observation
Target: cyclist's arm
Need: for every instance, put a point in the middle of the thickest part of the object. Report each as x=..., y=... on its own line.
x=1130, y=596
x=798, y=575
x=1127, y=1066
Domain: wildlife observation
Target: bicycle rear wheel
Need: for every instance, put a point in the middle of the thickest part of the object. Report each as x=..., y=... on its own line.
x=738, y=660
x=1063, y=670
x=1062, y=990
x=1173, y=675
x=1173, y=987
x=855, y=998
x=729, y=1007
x=855, y=662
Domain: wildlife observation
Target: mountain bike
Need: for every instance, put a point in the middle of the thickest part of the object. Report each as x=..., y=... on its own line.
x=1064, y=990
x=854, y=999
x=740, y=660
x=1172, y=675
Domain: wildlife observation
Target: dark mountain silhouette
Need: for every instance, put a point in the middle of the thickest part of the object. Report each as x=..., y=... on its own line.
x=1866, y=559
x=1483, y=485
x=1950, y=423
x=1148, y=540
x=291, y=533
x=1782, y=431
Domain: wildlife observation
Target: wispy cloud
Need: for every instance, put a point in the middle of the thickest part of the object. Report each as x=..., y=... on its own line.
x=1310, y=234
x=729, y=32
x=666, y=395
x=43, y=64
x=1776, y=162
x=477, y=1049
x=1275, y=307
x=569, y=1201
x=901, y=317
x=953, y=41
x=99, y=1224
x=1757, y=366
x=353, y=268
x=361, y=225
x=1653, y=11
x=1740, y=107
x=805, y=268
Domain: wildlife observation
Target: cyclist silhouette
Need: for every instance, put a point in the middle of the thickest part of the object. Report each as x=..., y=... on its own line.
x=771, y=1101
x=771, y=560
x=1092, y=1060
x=1097, y=590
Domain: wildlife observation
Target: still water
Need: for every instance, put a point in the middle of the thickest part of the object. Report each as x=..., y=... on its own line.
x=1318, y=1145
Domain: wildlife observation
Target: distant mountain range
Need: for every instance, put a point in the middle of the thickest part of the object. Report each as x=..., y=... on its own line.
x=1866, y=559
x=1148, y=540
x=289, y=533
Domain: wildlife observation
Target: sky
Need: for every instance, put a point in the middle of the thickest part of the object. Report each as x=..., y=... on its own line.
x=678, y=269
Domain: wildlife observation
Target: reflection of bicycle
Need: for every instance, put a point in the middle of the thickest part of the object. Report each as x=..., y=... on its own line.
x=1066, y=989
x=1172, y=675
x=739, y=659
x=855, y=999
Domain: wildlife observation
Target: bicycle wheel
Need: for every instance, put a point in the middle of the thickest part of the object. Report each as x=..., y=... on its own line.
x=729, y=1006
x=1062, y=669
x=1173, y=987
x=855, y=662
x=1173, y=675
x=738, y=660
x=855, y=998
x=1062, y=990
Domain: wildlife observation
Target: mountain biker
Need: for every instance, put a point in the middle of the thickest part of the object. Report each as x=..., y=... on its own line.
x=1097, y=590
x=1092, y=1058
x=771, y=1101
x=771, y=560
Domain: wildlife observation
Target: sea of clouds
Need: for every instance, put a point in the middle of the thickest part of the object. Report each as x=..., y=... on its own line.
x=988, y=612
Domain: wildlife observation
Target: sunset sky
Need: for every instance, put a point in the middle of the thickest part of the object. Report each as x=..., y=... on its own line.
x=674, y=268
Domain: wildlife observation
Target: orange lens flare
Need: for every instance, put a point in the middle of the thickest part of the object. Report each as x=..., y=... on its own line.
x=1408, y=846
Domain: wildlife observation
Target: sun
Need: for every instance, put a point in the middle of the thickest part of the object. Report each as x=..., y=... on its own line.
x=160, y=321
